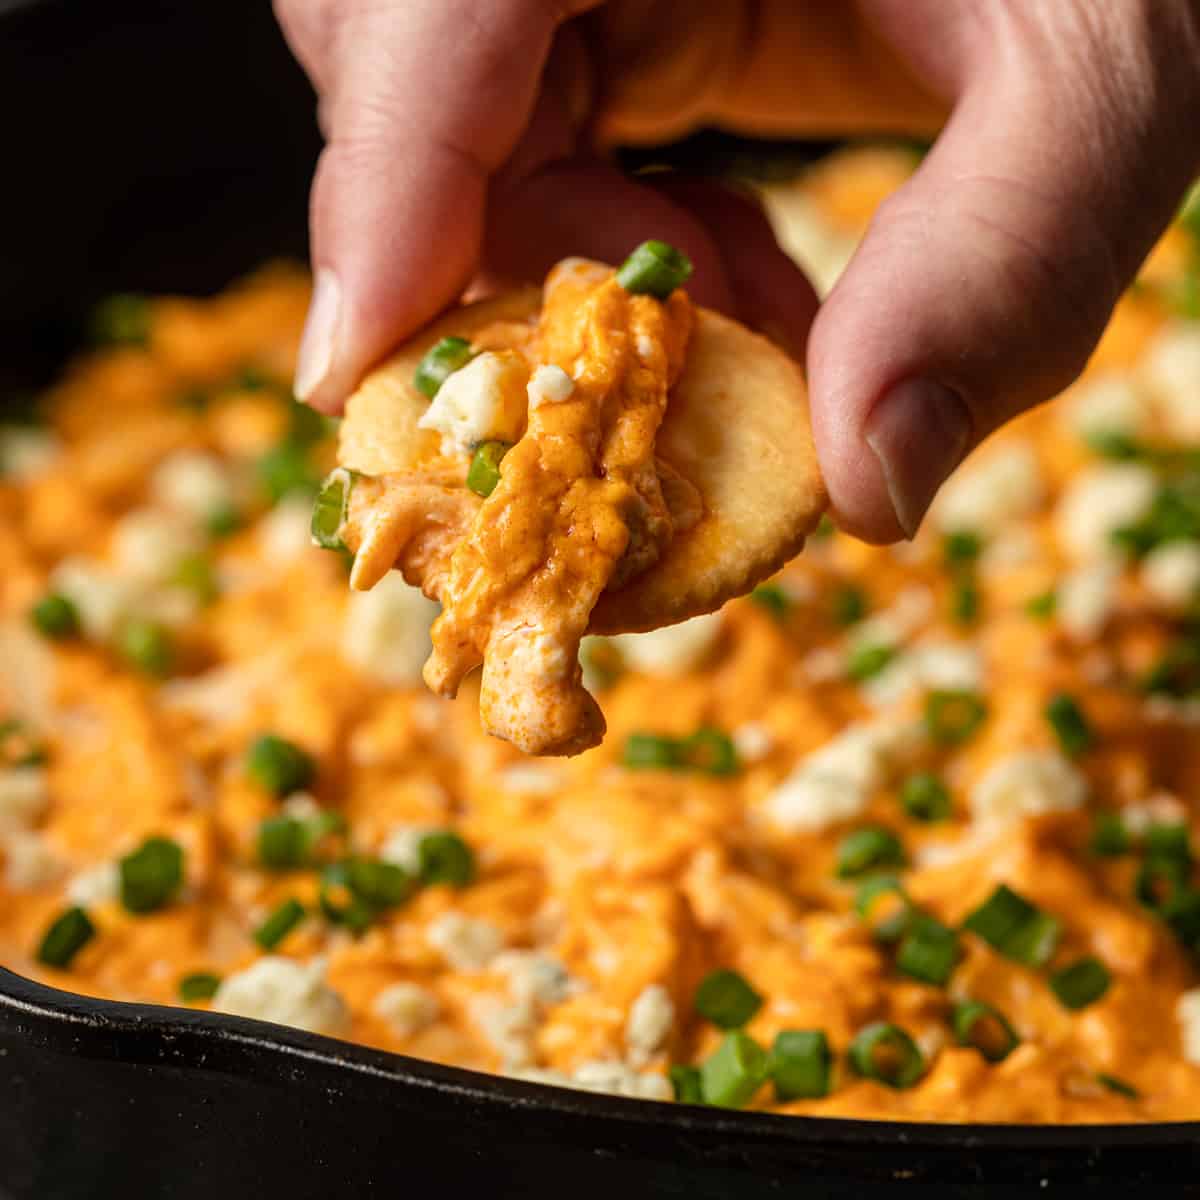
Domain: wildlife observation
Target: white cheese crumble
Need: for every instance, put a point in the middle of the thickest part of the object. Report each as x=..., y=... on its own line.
x=286, y=992
x=406, y=1007
x=672, y=650
x=193, y=483
x=509, y=1028
x=835, y=783
x=26, y=453
x=1171, y=370
x=402, y=846
x=753, y=741
x=385, y=632
x=534, y=977
x=483, y=401
x=466, y=943
x=650, y=1019
x=1104, y=404
x=1027, y=784
x=611, y=1078
x=285, y=533
x=619, y=1079
x=1187, y=1013
x=946, y=666
x=1171, y=572
x=29, y=862
x=549, y=385
x=148, y=543
x=1085, y=598
x=530, y=777
x=102, y=598
x=1099, y=501
x=95, y=885
x=23, y=797
x=1004, y=485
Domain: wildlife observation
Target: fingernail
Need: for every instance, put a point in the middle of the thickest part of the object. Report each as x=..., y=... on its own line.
x=320, y=334
x=919, y=432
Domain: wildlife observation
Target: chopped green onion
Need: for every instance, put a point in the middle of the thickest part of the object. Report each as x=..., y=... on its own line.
x=445, y=858
x=55, y=616
x=849, y=604
x=381, y=884
x=964, y=602
x=980, y=1025
x=929, y=951
x=961, y=548
x=194, y=573
x=1042, y=606
x=1109, y=837
x=340, y=903
x=354, y=892
x=649, y=751
x=1017, y=929
x=279, y=924
x=282, y=843
x=331, y=507
x=484, y=472
x=773, y=598
x=868, y=849
x=147, y=645
x=1080, y=983
x=201, y=985
x=223, y=520
x=867, y=661
x=1182, y=916
x=801, y=1064
x=285, y=470
x=151, y=875
x=1177, y=673
x=734, y=1072
x=825, y=529
x=278, y=765
x=886, y=1054
x=885, y=907
x=18, y=745
x=924, y=797
x=1069, y=723
x=306, y=426
x=441, y=360
x=709, y=751
x=1160, y=882
x=726, y=999
x=70, y=931
x=685, y=1080
x=1109, y=443
x=654, y=269
x=1169, y=841
x=121, y=320
x=952, y=716
x=1118, y=1085
x=251, y=378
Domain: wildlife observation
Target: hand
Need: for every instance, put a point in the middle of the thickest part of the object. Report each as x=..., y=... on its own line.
x=454, y=133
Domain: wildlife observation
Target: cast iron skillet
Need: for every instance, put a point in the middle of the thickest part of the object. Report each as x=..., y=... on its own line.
x=167, y=146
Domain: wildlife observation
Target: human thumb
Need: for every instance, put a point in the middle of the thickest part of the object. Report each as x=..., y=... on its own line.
x=982, y=285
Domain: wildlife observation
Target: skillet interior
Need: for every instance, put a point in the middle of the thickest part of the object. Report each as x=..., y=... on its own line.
x=138, y=172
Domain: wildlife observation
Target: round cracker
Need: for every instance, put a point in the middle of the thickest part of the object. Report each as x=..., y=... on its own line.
x=737, y=428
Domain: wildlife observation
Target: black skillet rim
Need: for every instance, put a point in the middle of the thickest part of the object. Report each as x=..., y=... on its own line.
x=83, y=1026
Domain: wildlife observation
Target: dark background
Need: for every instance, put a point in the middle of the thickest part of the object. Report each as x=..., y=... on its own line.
x=158, y=145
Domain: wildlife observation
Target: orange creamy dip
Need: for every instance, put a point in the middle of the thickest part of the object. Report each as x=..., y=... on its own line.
x=603, y=894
